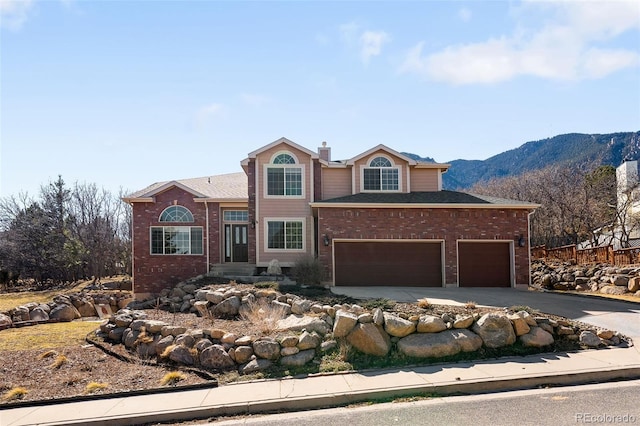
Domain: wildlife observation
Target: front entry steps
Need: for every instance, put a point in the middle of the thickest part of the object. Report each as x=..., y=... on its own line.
x=245, y=272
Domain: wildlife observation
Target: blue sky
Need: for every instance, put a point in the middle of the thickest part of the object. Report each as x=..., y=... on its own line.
x=124, y=94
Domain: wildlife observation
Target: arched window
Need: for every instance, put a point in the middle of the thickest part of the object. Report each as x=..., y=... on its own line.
x=174, y=239
x=284, y=176
x=380, y=162
x=176, y=214
x=284, y=159
x=380, y=175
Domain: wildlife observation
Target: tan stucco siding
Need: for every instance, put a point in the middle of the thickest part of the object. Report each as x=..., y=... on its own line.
x=283, y=207
x=336, y=183
x=425, y=180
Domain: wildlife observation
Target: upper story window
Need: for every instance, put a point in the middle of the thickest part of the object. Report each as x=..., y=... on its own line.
x=284, y=176
x=176, y=214
x=380, y=175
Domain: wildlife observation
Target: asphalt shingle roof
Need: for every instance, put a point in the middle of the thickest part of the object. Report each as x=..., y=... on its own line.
x=227, y=186
x=431, y=197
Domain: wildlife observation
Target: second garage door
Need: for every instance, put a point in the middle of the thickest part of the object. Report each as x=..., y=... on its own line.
x=484, y=264
x=388, y=263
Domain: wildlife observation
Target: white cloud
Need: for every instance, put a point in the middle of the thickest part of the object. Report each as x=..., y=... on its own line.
x=14, y=13
x=464, y=14
x=570, y=46
x=208, y=113
x=368, y=43
x=371, y=44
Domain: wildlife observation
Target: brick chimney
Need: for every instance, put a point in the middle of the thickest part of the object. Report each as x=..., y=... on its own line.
x=324, y=152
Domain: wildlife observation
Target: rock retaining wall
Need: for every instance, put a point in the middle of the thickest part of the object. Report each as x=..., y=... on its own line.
x=308, y=329
x=597, y=278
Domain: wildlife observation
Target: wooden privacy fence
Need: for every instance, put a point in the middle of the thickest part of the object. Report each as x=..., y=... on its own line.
x=606, y=254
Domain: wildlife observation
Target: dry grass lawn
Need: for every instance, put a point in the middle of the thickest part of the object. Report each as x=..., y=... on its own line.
x=46, y=336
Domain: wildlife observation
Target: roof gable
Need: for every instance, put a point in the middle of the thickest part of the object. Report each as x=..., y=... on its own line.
x=285, y=141
x=386, y=149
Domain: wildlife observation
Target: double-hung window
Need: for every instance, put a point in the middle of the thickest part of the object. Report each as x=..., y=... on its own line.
x=284, y=177
x=176, y=239
x=285, y=234
x=380, y=175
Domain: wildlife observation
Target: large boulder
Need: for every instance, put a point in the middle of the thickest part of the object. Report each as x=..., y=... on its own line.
x=437, y=345
x=370, y=338
x=398, y=327
x=343, y=323
x=432, y=324
x=634, y=284
x=182, y=354
x=64, y=312
x=537, y=338
x=229, y=307
x=266, y=348
x=495, y=330
x=299, y=359
x=303, y=322
x=216, y=357
x=5, y=320
x=520, y=325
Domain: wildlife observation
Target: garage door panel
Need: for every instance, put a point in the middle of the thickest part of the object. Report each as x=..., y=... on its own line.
x=388, y=264
x=484, y=264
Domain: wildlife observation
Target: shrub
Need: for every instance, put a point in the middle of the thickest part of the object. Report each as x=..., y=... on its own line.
x=308, y=270
x=15, y=393
x=423, y=303
x=59, y=362
x=95, y=386
x=470, y=304
x=263, y=314
x=171, y=378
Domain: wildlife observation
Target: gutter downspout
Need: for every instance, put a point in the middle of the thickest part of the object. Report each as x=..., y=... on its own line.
x=529, y=242
x=206, y=210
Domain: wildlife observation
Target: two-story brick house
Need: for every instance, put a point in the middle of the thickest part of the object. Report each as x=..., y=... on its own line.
x=379, y=218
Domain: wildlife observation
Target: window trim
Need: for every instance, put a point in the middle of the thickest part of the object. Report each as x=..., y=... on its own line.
x=301, y=220
x=190, y=228
x=296, y=165
x=367, y=166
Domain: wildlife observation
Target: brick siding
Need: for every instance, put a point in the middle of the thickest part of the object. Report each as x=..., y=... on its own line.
x=449, y=225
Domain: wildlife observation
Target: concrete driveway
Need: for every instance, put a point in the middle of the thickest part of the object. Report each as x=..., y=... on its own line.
x=620, y=316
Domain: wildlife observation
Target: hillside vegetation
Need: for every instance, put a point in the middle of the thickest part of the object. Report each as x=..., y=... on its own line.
x=573, y=150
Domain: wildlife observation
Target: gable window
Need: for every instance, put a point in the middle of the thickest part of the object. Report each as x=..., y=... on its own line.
x=176, y=239
x=176, y=214
x=380, y=175
x=285, y=234
x=284, y=176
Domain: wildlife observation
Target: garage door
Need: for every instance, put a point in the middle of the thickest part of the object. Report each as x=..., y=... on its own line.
x=484, y=264
x=385, y=263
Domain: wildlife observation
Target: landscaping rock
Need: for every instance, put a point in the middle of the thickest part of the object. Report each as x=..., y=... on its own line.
x=258, y=364
x=182, y=354
x=266, y=348
x=243, y=354
x=495, y=330
x=227, y=308
x=462, y=321
x=436, y=345
x=398, y=327
x=520, y=326
x=611, y=289
x=308, y=341
x=590, y=339
x=634, y=284
x=432, y=324
x=301, y=322
x=299, y=359
x=64, y=312
x=38, y=314
x=370, y=338
x=216, y=357
x=536, y=337
x=343, y=323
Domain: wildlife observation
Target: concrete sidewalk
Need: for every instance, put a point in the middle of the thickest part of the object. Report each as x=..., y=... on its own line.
x=338, y=389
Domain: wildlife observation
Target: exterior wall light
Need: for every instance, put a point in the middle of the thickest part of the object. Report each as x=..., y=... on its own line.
x=521, y=241
x=326, y=240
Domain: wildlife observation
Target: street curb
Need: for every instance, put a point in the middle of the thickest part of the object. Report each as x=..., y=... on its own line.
x=341, y=399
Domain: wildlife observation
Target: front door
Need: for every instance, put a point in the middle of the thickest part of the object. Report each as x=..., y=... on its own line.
x=236, y=243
